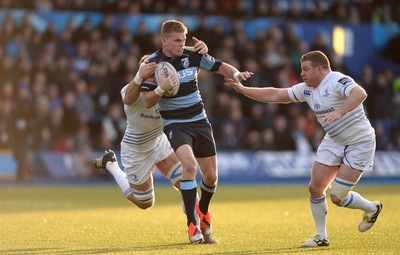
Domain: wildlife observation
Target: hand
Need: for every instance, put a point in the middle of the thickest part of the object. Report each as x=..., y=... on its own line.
x=236, y=85
x=242, y=76
x=199, y=46
x=147, y=69
x=167, y=83
x=330, y=117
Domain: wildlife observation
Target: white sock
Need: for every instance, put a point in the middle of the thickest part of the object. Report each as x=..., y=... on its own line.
x=120, y=177
x=356, y=201
x=319, y=209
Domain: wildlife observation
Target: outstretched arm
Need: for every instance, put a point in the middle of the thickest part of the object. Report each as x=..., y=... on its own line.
x=266, y=95
x=230, y=71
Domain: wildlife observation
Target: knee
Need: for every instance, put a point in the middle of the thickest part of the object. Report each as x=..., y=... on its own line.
x=190, y=167
x=210, y=180
x=145, y=206
x=143, y=199
x=336, y=200
x=340, y=192
x=315, y=190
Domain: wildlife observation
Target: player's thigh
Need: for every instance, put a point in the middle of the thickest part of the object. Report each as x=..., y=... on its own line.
x=146, y=185
x=165, y=165
x=349, y=174
x=360, y=155
x=321, y=177
x=138, y=166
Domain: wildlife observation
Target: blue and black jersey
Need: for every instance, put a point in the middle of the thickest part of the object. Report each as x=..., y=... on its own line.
x=186, y=105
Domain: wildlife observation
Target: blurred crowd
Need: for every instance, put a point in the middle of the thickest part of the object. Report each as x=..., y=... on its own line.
x=61, y=92
x=338, y=10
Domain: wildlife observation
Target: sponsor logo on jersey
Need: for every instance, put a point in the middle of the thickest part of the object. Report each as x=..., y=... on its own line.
x=317, y=106
x=185, y=73
x=344, y=80
x=324, y=111
x=326, y=93
x=185, y=62
x=307, y=93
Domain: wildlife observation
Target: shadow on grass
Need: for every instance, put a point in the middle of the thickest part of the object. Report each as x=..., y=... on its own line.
x=156, y=248
x=289, y=250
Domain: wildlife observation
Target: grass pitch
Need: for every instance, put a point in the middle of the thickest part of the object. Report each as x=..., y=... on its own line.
x=246, y=219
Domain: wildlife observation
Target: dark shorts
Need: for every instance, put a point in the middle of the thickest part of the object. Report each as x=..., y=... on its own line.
x=197, y=134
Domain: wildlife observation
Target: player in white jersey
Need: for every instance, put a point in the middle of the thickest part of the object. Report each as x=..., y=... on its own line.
x=348, y=147
x=144, y=144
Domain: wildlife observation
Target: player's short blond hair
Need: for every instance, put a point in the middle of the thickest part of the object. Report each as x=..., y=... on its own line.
x=173, y=26
x=316, y=58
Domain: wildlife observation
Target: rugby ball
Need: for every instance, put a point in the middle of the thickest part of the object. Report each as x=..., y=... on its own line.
x=166, y=69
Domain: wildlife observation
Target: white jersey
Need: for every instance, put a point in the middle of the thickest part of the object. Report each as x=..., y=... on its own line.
x=144, y=128
x=352, y=127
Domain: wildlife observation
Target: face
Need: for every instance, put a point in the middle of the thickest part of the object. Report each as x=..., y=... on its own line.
x=311, y=74
x=173, y=43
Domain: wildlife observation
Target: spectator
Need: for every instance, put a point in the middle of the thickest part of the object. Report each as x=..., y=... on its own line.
x=20, y=128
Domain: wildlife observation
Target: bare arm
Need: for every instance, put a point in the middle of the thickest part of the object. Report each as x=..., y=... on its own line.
x=356, y=96
x=266, y=95
x=132, y=93
x=146, y=70
x=150, y=98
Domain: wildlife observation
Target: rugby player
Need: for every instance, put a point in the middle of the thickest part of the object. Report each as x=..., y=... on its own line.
x=144, y=144
x=348, y=148
x=186, y=124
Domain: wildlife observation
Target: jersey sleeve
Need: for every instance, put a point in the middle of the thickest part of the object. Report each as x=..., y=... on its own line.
x=148, y=84
x=298, y=92
x=210, y=63
x=345, y=85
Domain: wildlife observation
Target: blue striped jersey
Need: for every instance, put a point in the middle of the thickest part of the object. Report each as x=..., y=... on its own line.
x=187, y=104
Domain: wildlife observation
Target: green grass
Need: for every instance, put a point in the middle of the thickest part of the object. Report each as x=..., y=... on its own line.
x=246, y=220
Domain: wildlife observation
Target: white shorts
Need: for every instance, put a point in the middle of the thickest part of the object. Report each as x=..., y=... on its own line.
x=358, y=156
x=138, y=166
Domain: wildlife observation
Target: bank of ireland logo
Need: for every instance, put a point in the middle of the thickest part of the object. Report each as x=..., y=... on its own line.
x=185, y=62
x=317, y=106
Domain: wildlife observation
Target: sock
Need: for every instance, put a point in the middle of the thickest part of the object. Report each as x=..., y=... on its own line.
x=189, y=192
x=356, y=201
x=120, y=177
x=206, y=195
x=319, y=209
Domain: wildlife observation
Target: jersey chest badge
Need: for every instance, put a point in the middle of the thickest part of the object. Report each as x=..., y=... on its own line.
x=185, y=62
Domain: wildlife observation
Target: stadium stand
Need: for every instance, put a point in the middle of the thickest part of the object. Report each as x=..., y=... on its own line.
x=74, y=56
